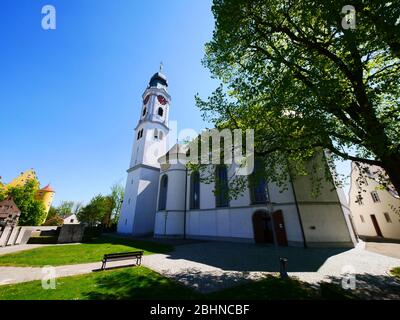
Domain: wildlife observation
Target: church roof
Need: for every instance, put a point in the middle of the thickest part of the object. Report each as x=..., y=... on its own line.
x=158, y=78
x=174, y=152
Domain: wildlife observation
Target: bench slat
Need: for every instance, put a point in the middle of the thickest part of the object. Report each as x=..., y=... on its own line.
x=122, y=256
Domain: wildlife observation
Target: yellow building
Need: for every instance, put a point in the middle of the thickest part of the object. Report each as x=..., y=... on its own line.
x=22, y=179
x=45, y=194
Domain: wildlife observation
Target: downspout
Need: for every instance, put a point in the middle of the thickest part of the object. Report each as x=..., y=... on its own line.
x=298, y=212
x=184, y=210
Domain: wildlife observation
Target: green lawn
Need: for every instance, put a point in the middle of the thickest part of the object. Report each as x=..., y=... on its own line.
x=142, y=283
x=396, y=272
x=129, y=283
x=80, y=253
x=274, y=288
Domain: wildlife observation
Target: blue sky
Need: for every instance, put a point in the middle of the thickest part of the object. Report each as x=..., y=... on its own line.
x=71, y=97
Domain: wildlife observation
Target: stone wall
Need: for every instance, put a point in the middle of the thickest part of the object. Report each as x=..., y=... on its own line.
x=71, y=233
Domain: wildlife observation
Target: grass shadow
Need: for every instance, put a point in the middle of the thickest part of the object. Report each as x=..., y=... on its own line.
x=138, y=284
x=373, y=287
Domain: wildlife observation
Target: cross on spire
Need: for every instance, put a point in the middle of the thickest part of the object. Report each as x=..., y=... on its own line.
x=161, y=66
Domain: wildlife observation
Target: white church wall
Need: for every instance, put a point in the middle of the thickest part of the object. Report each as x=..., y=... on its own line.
x=139, y=205
x=125, y=223
x=146, y=202
x=324, y=224
x=278, y=195
x=207, y=197
x=176, y=189
x=169, y=224
x=220, y=224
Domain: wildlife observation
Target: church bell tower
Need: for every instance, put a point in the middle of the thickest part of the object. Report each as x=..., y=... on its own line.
x=150, y=143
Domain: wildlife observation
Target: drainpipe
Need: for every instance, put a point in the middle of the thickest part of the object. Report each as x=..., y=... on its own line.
x=298, y=212
x=184, y=210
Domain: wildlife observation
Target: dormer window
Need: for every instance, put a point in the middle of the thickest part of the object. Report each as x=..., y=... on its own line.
x=160, y=112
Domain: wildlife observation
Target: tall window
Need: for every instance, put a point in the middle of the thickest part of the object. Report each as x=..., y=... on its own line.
x=160, y=112
x=222, y=187
x=258, y=184
x=375, y=196
x=195, y=190
x=144, y=111
x=155, y=134
x=162, y=201
x=387, y=217
x=362, y=218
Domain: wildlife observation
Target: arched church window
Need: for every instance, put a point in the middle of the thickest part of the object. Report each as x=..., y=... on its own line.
x=195, y=190
x=155, y=134
x=258, y=184
x=160, y=135
x=162, y=200
x=221, y=186
x=141, y=133
x=144, y=111
x=160, y=112
x=138, y=135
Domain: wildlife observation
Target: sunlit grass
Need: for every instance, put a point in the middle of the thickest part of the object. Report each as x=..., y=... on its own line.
x=80, y=253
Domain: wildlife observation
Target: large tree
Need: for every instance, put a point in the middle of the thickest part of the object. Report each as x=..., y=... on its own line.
x=33, y=212
x=117, y=194
x=301, y=80
x=97, y=211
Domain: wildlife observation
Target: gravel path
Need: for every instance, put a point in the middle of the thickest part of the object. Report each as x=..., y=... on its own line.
x=10, y=275
x=22, y=247
x=211, y=266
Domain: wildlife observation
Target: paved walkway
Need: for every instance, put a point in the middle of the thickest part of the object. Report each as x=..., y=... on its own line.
x=211, y=266
x=387, y=249
x=22, y=247
x=10, y=275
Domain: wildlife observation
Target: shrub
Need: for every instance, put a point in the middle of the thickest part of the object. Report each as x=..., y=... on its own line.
x=54, y=221
x=91, y=232
x=43, y=240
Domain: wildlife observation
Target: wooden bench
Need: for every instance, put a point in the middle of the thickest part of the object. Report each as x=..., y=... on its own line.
x=122, y=256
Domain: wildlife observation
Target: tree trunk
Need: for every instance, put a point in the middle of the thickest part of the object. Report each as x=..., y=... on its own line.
x=391, y=165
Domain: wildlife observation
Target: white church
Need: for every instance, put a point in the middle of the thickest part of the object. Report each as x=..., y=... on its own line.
x=167, y=200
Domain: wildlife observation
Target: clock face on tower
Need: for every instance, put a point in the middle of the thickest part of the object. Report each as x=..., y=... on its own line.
x=161, y=100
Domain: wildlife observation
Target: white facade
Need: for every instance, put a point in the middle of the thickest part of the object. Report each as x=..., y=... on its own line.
x=158, y=200
x=72, y=219
x=139, y=205
x=375, y=213
x=308, y=221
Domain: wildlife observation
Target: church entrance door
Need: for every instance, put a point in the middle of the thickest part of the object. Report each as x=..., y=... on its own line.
x=280, y=230
x=262, y=227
